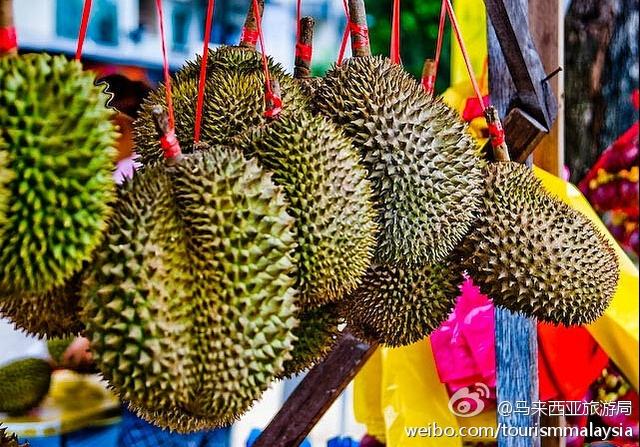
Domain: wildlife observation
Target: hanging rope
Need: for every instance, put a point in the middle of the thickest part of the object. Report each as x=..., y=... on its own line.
x=273, y=101
x=169, y=142
x=345, y=34
x=84, y=24
x=203, y=70
x=496, y=131
x=395, y=33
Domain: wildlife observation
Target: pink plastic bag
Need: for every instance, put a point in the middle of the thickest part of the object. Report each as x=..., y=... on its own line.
x=464, y=346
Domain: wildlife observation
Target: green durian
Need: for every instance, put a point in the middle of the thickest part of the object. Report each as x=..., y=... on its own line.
x=136, y=295
x=316, y=335
x=190, y=307
x=233, y=102
x=48, y=314
x=329, y=196
x=9, y=440
x=23, y=385
x=57, y=347
x=532, y=253
x=426, y=170
x=61, y=146
x=397, y=306
x=240, y=246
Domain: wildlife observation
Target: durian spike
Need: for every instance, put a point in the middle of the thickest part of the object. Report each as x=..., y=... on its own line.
x=249, y=37
x=167, y=136
x=6, y=22
x=429, y=76
x=500, y=149
x=304, y=45
x=360, y=45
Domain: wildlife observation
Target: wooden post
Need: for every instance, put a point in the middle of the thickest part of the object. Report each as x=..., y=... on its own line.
x=546, y=19
x=318, y=390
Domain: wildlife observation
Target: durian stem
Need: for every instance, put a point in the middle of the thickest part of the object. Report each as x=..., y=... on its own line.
x=6, y=23
x=273, y=100
x=360, y=46
x=305, y=43
x=500, y=149
x=161, y=122
x=429, y=76
x=250, y=30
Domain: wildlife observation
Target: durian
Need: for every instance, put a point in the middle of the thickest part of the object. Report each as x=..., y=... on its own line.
x=60, y=143
x=190, y=306
x=426, y=170
x=240, y=246
x=329, y=196
x=9, y=440
x=23, y=385
x=136, y=295
x=532, y=253
x=316, y=335
x=397, y=306
x=233, y=101
x=48, y=314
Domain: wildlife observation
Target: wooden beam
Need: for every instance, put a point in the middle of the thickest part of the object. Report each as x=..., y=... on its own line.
x=509, y=23
x=546, y=21
x=322, y=385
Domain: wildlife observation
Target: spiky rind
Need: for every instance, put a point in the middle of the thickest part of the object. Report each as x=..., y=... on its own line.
x=233, y=58
x=316, y=335
x=329, y=196
x=178, y=420
x=23, y=385
x=426, y=170
x=233, y=103
x=50, y=314
x=397, y=306
x=532, y=253
x=136, y=295
x=61, y=146
x=9, y=440
x=241, y=248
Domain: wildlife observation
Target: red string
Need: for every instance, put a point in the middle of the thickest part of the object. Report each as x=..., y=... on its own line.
x=395, y=33
x=273, y=102
x=345, y=34
x=465, y=54
x=443, y=17
x=304, y=51
x=8, y=39
x=249, y=36
x=169, y=144
x=362, y=32
x=84, y=23
x=203, y=70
